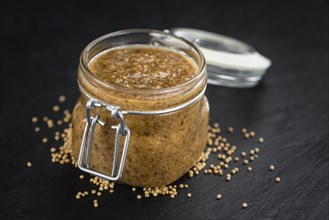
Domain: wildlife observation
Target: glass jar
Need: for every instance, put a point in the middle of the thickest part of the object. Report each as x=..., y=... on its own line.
x=140, y=137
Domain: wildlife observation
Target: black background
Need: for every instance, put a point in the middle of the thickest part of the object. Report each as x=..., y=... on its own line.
x=40, y=47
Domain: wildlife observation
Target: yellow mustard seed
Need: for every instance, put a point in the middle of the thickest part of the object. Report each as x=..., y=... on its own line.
x=230, y=129
x=52, y=150
x=56, y=108
x=246, y=135
x=252, y=133
x=34, y=119
x=244, y=205
x=243, y=154
x=172, y=196
x=261, y=140
x=189, y=195
x=62, y=98
x=249, y=169
x=99, y=193
x=219, y=196
x=81, y=177
x=45, y=118
x=138, y=196
x=29, y=164
x=133, y=189
x=257, y=150
x=93, y=191
x=245, y=162
x=95, y=204
x=59, y=122
x=252, y=152
x=44, y=140
x=37, y=129
x=277, y=179
x=244, y=130
x=271, y=168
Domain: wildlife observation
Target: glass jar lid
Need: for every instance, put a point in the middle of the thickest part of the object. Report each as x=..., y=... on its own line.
x=230, y=62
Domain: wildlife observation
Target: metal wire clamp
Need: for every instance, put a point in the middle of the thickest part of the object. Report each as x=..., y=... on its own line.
x=88, y=134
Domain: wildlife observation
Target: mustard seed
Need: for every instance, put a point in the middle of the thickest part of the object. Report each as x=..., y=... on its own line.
x=172, y=196
x=62, y=98
x=244, y=130
x=44, y=140
x=249, y=169
x=45, y=118
x=219, y=196
x=52, y=150
x=252, y=134
x=133, y=189
x=95, y=204
x=189, y=195
x=93, y=191
x=261, y=140
x=34, y=119
x=36, y=129
x=245, y=162
x=29, y=164
x=59, y=122
x=230, y=129
x=277, y=179
x=99, y=193
x=236, y=159
x=56, y=108
x=246, y=136
x=257, y=150
x=243, y=154
x=271, y=168
x=81, y=177
x=244, y=205
x=139, y=197
x=252, y=152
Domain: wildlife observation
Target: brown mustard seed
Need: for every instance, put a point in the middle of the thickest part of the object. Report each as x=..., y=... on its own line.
x=244, y=205
x=271, y=167
x=219, y=196
x=261, y=140
x=277, y=179
x=29, y=164
x=62, y=98
x=34, y=119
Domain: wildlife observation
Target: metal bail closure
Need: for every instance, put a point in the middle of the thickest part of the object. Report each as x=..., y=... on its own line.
x=88, y=134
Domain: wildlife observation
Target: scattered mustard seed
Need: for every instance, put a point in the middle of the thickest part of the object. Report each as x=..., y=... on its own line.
x=271, y=168
x=99, y=193
x=245, y=161
x=189, y=195
x=230, y=129
x=29, y=164
x=37, y=129
x=252, y=133
x=243, y=154
x=56, y=108
x=244, y=205
x=249, y=169
x=95, y=204
x=246, y=135
x=133, y=189
x=219, y=196
x=45, y=118
x=81, y=177
x=261, y=140
x=44, y=140
x=244, y=130
x=59, y=122
x=138, y=196
x=277, y=179
x=93, y=191
x=34, y=119
x=52, y=150
x=62, y=98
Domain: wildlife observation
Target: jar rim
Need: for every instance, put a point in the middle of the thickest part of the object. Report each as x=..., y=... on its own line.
x=89, y=75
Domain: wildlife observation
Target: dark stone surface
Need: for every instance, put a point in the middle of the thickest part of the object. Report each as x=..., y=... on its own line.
x=40, y=47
